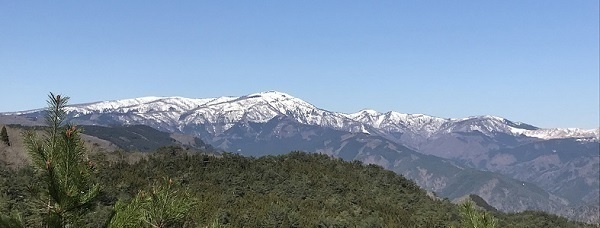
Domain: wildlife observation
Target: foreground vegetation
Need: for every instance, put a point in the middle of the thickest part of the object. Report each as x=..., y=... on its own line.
x=175, y=187
x=294, y=190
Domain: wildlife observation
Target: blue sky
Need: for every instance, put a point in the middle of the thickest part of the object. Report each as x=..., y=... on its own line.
x=529, y=61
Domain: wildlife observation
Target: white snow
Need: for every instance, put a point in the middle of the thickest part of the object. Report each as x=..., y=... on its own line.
x=177, y=112
x=557, y=133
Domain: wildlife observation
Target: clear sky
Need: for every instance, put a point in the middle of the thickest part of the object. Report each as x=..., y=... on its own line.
x=530, y=61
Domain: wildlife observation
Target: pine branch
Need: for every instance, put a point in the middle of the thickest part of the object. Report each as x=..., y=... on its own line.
x=60, y=158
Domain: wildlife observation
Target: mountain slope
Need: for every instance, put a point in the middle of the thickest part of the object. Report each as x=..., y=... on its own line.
x=564, y=166
x=274, y=122
x=142, y=138
x=282, y=134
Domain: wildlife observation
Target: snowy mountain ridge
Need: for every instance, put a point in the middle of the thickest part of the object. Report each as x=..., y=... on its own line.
x=176, y=113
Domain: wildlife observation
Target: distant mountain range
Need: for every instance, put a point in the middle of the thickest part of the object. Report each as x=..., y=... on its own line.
x=179, y=113
x=514, y=166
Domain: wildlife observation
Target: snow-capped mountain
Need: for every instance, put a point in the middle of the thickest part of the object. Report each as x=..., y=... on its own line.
x=399, y=122
x=262, y=107
x=428, y=126
x=559, y=133
x=221, y=113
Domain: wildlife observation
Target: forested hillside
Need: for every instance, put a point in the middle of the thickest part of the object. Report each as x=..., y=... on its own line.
x=293, y=190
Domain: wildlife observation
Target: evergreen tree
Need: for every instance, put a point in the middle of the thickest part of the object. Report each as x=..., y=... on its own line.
x=58, y=156
x=11, y=221
x=162, y=206
x=4, y=136
x=474, y=218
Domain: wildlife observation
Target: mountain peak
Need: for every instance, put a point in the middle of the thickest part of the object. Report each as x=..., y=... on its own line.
x=493, y=117
x=369, y=111
x=365, y=113
x=270, y=94
x=276, y=99
x=480, y=118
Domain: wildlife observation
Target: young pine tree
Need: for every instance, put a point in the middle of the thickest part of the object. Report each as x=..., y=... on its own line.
x=11, y=221
x=473, y=218
x=4, y=136
x=164, y=205
x=58, y=155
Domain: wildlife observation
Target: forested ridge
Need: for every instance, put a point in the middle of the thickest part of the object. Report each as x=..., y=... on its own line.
x=293, y=190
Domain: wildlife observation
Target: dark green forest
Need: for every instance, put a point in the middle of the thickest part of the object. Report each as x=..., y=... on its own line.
x=293, y=190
